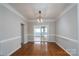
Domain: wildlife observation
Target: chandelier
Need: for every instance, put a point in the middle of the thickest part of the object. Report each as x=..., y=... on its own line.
x=39, y=18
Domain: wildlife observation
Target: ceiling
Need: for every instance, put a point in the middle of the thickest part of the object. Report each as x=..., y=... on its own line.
x=49, y=10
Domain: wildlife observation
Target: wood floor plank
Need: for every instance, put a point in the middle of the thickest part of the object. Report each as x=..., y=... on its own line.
x=40, y=49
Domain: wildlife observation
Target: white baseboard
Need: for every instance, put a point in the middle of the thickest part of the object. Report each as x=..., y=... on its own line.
x=14, y=50
x=26, y=42
x=64, y=49
x=7, y=43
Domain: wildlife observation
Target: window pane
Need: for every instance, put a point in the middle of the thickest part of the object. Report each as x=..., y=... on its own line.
x=45, y=29
x=37, y=30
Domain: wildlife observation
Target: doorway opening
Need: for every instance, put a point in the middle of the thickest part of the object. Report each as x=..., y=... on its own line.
x=22, y=35
x=40, y=33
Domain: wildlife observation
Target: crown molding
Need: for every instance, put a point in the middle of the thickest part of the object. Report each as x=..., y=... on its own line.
x=66, y=10
x=6, y=5
x=45, y=20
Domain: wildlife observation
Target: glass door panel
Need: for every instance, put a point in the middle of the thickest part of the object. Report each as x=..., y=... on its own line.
x=40, y=33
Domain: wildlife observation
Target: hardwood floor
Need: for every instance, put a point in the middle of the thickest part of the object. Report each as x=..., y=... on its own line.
x=40, y=49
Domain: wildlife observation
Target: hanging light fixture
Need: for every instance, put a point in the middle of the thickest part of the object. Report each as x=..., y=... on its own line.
x=39, y=18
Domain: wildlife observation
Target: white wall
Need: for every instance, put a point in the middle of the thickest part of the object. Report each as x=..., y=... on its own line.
x=66, y=31
x=10, y=31
x=78, y=27
x=51, y=30
x=30, y=31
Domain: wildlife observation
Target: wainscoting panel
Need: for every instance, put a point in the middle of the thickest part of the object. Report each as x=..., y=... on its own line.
x=8, y=46
x=69, y=45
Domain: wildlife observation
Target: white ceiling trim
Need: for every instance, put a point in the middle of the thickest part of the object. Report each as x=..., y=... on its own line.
x=43, y=21
x=13, y=10
x=66, y=10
